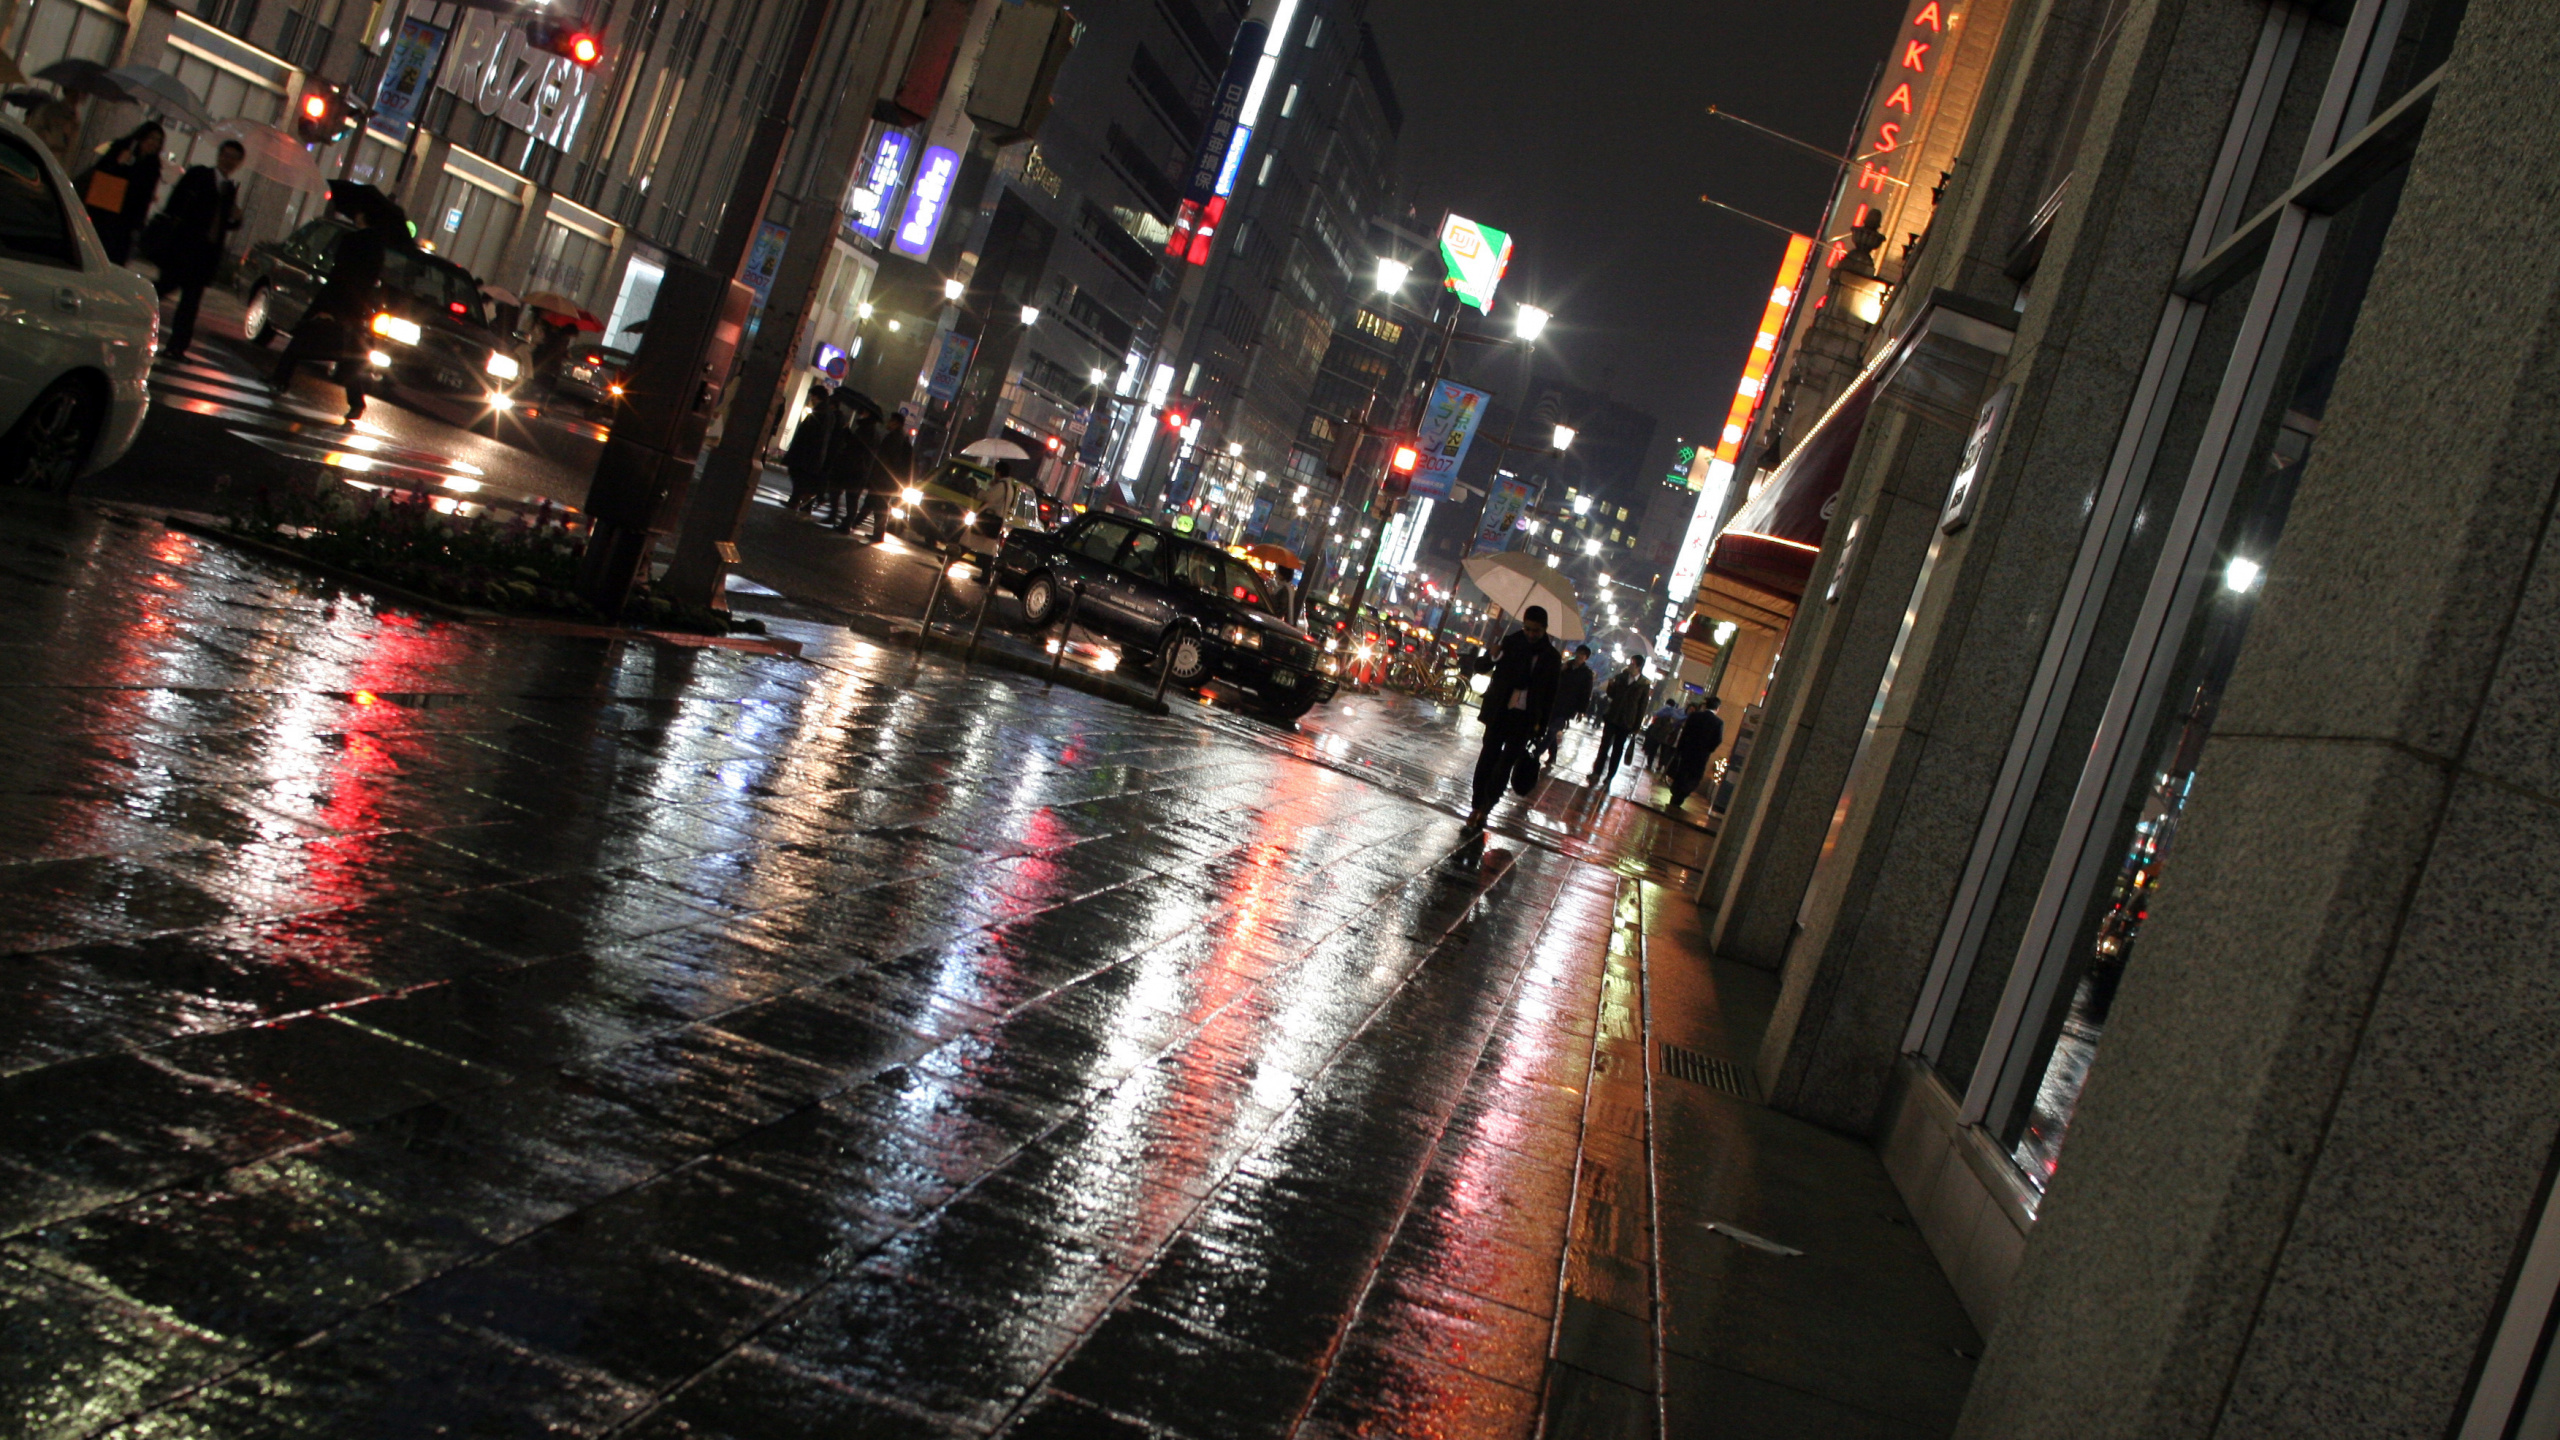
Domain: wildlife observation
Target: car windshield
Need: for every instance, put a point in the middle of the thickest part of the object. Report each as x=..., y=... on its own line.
x=1246, y=587
x=965, y=479
x=446, y=287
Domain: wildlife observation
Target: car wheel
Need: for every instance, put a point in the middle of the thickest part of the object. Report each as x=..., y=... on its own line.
x=258, y=317
x=1190, y=656
x=51, y=442
x=1288, y=711
x=1039, y=599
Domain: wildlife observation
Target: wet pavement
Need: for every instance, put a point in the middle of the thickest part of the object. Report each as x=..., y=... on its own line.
x=429, y=1029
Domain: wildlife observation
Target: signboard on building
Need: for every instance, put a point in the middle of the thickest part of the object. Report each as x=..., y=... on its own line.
x=406, y=69
x=1502, y=511
x=867, y=207
x=1194, y=225
x=764, y=257
x=1448, y=427
x=1476, y=257
x=928, y=200
x=950, y=362
x=1764, y=351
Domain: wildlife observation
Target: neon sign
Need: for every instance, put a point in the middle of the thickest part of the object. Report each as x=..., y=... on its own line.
x=868, y=206
x=928, y=200
x=1890, y=123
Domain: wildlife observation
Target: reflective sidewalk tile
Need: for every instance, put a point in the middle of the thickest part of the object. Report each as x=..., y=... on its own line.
x=411, y=1028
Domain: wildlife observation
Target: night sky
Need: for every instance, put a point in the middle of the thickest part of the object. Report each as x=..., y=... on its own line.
x=1583, y=129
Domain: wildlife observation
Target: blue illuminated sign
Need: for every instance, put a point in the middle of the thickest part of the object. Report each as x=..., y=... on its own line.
x=867, y=209
x=928, y=200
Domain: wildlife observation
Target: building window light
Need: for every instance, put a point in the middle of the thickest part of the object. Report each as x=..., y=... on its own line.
x=1289, y=103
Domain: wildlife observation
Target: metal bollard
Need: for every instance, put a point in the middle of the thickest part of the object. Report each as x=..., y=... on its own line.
x=986, y=596
x=1164, y=672
x=1066, y=628
x=933, y=597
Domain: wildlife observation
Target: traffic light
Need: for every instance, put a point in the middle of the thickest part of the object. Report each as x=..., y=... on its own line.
x=1401, y=463
x=322, y=116
x=1175, y=420
x=579, y=47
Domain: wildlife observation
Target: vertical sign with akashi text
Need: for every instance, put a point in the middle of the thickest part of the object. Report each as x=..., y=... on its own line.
x=1881, y=164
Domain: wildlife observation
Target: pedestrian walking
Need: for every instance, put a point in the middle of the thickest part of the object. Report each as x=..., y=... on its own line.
x=1573, y=697
x=853, y=478
x=1659, y=732
x=332, y=331
x=1516, y=704
x=1621, y=713
x=186, y=239
x=118, y=189
x=805, y=458
x=1701, y=733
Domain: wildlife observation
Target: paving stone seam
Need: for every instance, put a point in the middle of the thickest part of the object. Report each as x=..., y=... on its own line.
x=1333, y=1057
x=1574, y=1203
x=1631, y=908
x=1422, y=1172
x=802, y=1301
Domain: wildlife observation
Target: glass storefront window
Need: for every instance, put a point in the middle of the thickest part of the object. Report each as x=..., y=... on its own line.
x=2145, y=831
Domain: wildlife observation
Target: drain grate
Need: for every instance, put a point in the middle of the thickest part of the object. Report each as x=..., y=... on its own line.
x=1713, y=1071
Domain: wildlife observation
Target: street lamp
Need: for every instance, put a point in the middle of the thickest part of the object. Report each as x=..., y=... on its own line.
x=1529, y=321
x=1564, y=437
x=952, y=290
x=1030, y=314
x=1392, y=273
x=1097, y=375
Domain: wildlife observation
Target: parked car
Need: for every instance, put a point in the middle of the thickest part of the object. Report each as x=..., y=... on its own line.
x=589, y=375
x=80, y=330
x=1158, y=593
x=432, y=343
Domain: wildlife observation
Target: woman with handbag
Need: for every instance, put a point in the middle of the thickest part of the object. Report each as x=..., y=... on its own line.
x=119, y=188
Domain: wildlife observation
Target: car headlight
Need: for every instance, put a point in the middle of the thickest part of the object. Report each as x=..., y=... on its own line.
x=378, y=359
x=501, y=400
x=395, y=328
x=503, y=365
x=968, y=517
x=1244, y=636
x=911, y=495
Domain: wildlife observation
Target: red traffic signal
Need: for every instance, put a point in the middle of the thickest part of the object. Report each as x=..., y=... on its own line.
x=1406, y=459
x=577, y=46
x=1174, y=420
x=320, y=117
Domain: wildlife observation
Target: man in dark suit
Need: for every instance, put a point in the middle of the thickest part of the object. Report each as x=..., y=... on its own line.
x=1516, y=704
x=203, y=210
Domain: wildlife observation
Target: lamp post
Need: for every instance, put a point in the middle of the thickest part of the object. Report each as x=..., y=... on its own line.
x=955, y=293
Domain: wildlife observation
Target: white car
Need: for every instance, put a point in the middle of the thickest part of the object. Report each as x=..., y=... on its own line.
x=77, y=331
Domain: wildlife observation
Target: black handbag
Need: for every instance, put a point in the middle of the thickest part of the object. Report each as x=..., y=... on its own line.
x=1524, y=772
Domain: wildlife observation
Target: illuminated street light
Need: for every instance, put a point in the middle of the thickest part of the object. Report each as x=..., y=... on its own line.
x=952, y=290
x=1097, y=375
x=1392, y=273
x=1529, y=322
x=1030, y=314
x=1564, y=437
x=862, y=311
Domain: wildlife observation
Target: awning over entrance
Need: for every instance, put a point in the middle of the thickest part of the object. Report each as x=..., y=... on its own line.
x=1935, y=369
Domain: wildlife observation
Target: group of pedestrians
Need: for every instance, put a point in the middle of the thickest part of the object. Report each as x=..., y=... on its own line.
x=1534, y=690
x=847, y=459
x=186, y=239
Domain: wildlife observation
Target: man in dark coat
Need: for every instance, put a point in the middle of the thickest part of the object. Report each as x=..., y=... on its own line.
x=1573, y=696
x=1516, y=705
x=203, y=210
x=333, y=329
x=850, y=468
x=1701, y=733
x=1621, y=712
x=805, y=458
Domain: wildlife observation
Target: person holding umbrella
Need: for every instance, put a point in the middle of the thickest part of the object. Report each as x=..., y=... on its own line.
x=1516, y=702
x=118, y=190
x=186, y=239
x=333, y=329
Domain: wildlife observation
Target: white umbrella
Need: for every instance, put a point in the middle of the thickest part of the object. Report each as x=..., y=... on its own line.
x=274, y=154
x=157, y=89
x=992, y=449
x=1515, y=582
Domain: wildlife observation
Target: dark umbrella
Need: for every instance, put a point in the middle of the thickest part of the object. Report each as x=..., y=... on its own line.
x=356, y=198
x=85, y=77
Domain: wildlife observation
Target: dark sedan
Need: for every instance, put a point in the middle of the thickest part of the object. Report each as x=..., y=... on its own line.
x=1158, y=593
x=431, y=341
